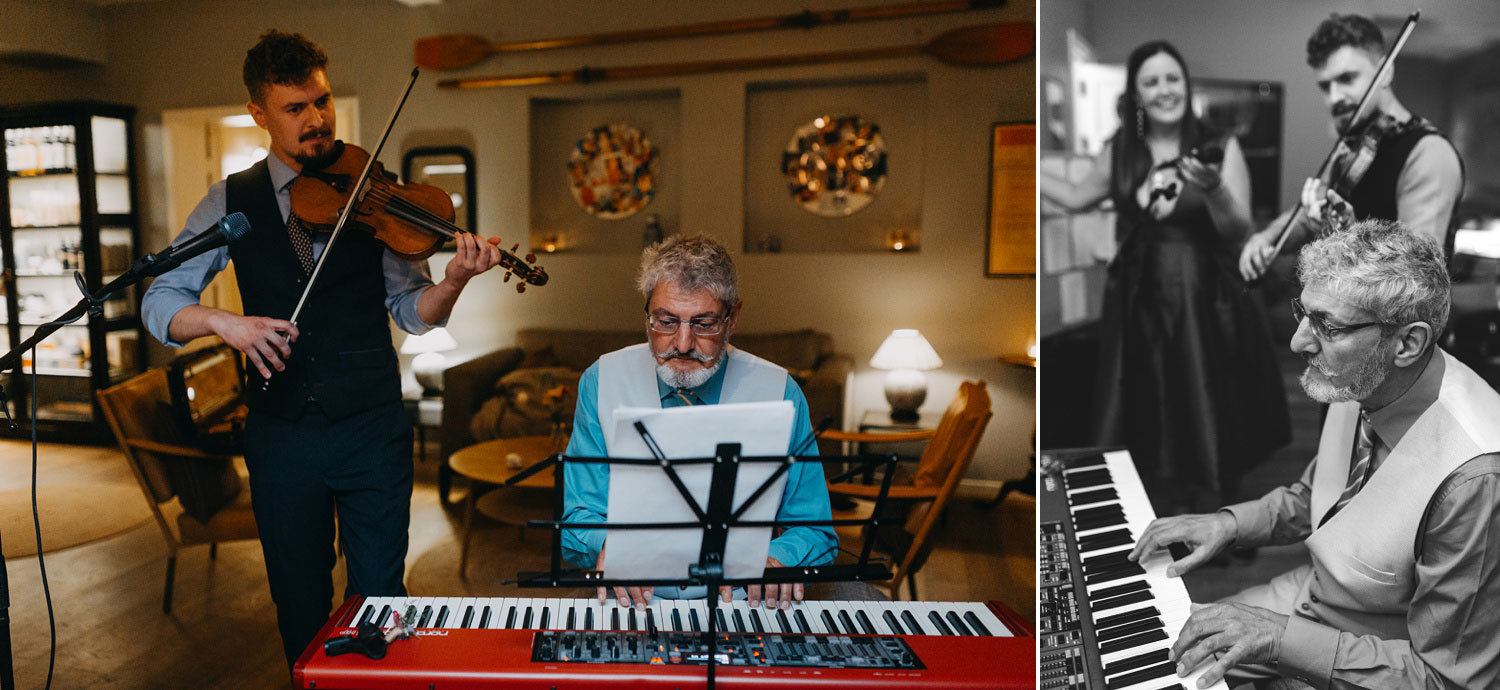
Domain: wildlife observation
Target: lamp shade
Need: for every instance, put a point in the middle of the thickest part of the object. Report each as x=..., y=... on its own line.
x=905, y=348
x=435, y=340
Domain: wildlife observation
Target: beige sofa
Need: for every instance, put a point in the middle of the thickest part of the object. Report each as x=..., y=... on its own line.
x=501, y=393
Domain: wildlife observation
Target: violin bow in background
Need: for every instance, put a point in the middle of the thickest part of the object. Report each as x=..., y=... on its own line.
x=1360, y=112
x=457, y=51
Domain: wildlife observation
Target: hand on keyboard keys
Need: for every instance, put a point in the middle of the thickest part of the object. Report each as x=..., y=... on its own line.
x=1205, y=535
x=1245, y=634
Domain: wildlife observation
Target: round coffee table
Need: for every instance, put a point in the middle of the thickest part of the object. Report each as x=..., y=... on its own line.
x=486, y=465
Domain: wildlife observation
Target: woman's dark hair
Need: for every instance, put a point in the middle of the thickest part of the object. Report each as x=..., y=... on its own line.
x=280, y=58
x=1131, y=159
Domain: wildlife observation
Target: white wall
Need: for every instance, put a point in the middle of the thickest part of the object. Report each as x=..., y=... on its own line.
x=180, y=53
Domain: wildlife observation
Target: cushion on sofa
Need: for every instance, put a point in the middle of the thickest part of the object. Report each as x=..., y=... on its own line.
x=521, y=405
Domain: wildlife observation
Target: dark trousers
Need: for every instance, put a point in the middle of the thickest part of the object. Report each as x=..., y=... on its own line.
x=303, y=472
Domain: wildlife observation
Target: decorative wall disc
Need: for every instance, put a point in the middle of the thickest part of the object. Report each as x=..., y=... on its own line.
x=835, y=165
x=612, y=171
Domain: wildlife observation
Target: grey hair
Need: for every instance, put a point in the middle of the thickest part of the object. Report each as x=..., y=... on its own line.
x=692, y=264
x=1384, y=268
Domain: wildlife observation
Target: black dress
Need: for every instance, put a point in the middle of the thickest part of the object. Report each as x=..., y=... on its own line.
x=1187, y=379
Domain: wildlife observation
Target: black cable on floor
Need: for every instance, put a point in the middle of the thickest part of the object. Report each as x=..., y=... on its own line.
x=36, y=521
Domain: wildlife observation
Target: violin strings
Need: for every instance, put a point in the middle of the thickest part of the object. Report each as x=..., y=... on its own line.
x=423, y=215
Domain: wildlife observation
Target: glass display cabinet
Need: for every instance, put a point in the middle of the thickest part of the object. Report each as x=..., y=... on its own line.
x=72, y=207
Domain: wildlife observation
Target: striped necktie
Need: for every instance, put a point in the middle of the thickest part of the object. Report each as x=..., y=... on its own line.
x=1360, y=464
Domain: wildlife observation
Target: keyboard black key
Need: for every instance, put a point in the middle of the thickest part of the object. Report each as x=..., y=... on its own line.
x=739, y=623
x=1117, y=590
x=1088, y=478
x=650, y=621
x=1104, y=540
x=572, y=619
x=697, y=625
x=676, y=619
x=442, y=617
x=588, y=618
x=526, y=620
x=365, y=617
x=1114, y=574
x=911, y=624
x=614, y=619
x=544, y=619
x=410, y=617
x=1132, y=641
x=1119, y=631
x=1098, y=522
x=1136, y=677
x=1106, y=559
x=937, y=621
x=426, y=617
x=833, y=628
x=1178, y=550
x=1105, y=509
x=755, y=623
x=786, y=625
x=1083, y=498
x=468, y=618
x=632, y=624
x=1082, y=461
x=890, y=619
x=802, y=625
x=975, y=624
x=1126, y=617
x=1125, y=600
x=847, y=623
x=723, y=624
x=1154, y=656
x=484, y=618
x=510, y=619
x=956, y=623
x=864, y=623
x=384, y=618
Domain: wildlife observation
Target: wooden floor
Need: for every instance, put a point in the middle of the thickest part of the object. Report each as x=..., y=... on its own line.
x=221, y=633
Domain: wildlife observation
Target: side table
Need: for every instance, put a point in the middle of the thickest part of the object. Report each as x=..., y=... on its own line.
x=426, y=413
x=486, y=466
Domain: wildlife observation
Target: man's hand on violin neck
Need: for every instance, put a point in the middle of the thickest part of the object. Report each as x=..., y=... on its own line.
x=475, y=256
x=265, y=341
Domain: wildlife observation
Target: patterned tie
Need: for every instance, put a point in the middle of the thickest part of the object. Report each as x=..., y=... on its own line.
x=1359, y=470
x=685, y=395
x=301, y=242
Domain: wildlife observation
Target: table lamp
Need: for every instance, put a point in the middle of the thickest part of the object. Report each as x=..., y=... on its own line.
x=429, y=363
x=906, y=354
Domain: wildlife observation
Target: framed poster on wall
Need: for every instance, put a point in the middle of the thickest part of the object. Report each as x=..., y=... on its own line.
x=1011, y=245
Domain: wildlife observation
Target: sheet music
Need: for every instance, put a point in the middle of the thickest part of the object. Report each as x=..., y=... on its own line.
x=646, y=494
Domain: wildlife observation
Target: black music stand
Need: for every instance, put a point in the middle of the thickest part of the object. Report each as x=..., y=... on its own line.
x=716, y=520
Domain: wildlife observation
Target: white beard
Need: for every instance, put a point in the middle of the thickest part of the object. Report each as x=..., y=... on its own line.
x=688, y=379
x=1367, y=376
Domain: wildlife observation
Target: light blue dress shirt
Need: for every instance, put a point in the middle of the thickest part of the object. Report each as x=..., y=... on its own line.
x=586, y=486
x=405, y=281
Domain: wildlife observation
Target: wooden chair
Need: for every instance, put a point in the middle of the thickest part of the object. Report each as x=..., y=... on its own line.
x=924, y=493
x=137, y=411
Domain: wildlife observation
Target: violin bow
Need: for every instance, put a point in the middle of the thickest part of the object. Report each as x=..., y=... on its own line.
x=354, y=199
x=1360, y=112
x=356, y=196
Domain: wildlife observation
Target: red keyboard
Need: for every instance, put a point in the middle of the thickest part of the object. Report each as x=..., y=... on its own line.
x=557, y=643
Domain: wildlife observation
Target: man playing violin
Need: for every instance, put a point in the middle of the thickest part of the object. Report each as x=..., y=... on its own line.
x=1415, y=176
x=327, y=433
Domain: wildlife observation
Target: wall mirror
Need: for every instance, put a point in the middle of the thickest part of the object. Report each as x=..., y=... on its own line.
x=449, y=168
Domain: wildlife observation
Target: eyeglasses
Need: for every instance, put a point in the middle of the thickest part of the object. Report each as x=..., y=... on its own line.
x=1321, y=326
x=704, y=326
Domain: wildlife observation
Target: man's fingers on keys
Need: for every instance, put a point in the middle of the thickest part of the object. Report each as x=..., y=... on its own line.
x=638, y=597
x=1228, y=660
x=1147, y=543
x=622, y=595
x=773, y=595
x=1202, y=651
x=602, y=595
x=1187, y=563
x=753, y=592
x=727, y=594
x=796, y=592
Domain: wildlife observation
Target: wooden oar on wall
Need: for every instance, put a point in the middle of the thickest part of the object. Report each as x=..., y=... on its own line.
x=974, y=46
x=456, y=51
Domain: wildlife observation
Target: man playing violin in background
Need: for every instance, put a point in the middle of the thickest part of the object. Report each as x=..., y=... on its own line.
x=1416, y=176
x=327, y=432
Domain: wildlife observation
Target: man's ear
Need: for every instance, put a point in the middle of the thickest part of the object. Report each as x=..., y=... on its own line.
x=734, y=315
x=257, y=113
x=1412, y=340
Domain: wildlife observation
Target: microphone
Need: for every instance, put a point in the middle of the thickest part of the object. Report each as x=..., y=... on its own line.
x=228, y=229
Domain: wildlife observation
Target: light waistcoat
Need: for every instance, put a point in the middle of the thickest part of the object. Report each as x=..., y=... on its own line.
x=1364, y=558
x=627, y=378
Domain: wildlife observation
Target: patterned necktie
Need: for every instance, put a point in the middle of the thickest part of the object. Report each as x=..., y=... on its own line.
x=1361, y=462
x=301, y=242
x=686, y=395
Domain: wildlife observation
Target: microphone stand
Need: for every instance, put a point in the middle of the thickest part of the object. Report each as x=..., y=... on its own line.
x=92, y=304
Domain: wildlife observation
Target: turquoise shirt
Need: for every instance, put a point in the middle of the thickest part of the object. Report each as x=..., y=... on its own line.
x=586, y=486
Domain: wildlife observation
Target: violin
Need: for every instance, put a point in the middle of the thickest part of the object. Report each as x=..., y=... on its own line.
x=1352, y=154
x=412, y=220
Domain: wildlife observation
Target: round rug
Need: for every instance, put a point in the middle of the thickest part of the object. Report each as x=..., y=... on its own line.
x=71, y=514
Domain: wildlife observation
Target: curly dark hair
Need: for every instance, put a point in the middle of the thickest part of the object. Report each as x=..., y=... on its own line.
x=1340, y=30
x=280, y=58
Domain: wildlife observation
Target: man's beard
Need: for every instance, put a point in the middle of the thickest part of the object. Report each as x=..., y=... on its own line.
x=319, y=159
x=686, y=379
x=1366, y=376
